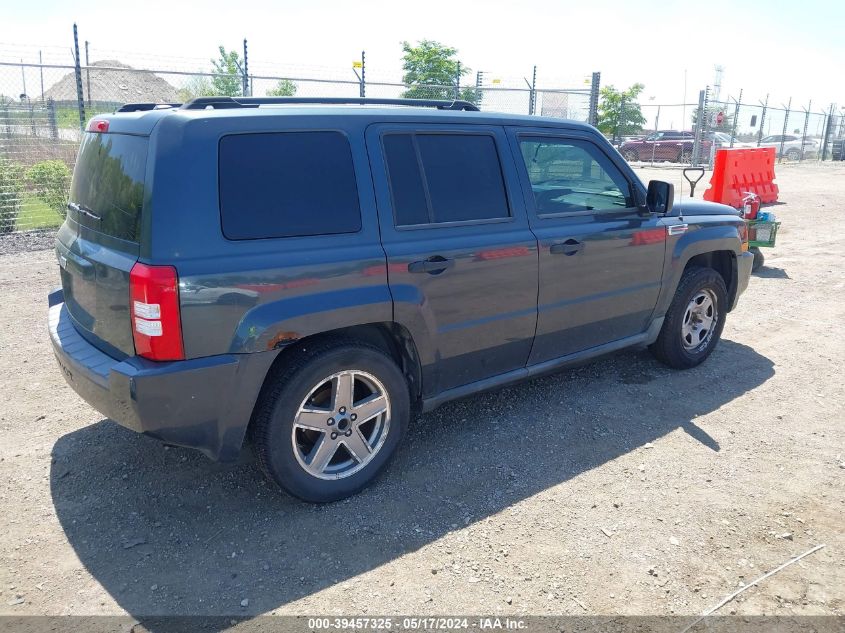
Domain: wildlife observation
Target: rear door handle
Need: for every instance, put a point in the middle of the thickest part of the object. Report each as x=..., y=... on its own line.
x=432, y=265
x=569, y=247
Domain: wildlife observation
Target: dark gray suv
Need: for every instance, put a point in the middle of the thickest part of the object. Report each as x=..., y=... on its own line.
x=309, y=274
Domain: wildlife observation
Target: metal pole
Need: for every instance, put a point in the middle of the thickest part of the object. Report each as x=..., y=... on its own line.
x=736, y=118
x=785, y=124
x=532, y=101
x=827, y=130
x=87, y=73
x=363, y=75
x=40, y=62
x=699, y=125
x=80, y=99
x=806, y=123
x=762, y=121
x=594, y=99
x=246, y=90
x=458, y=82
x=23, y=77
x=479, y=78
x=656, y=125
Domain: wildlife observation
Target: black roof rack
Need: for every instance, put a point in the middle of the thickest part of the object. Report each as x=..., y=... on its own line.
x=200, y=103
x=141, y=107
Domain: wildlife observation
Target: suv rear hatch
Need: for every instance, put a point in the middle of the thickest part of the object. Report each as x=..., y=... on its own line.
x=99, y=242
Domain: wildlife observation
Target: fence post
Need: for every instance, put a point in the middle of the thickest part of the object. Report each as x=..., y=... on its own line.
x=246, y=91
x=363, y=90
x=87, y=73
x=532, y=98
x=51, y=118
x=458, y=82
x=41, y=69
x=699, y=125
x=736, y=118
x=785, y=125
x=80, y=99
x=827, y=130
x=479, y=78
x=762, y=121
x=594, y=99
x=804, y=134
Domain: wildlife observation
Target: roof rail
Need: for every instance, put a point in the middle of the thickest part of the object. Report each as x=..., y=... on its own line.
x=141, y=107
x=200, y=103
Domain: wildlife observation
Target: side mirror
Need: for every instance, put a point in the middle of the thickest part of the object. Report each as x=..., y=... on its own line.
x=660, y=197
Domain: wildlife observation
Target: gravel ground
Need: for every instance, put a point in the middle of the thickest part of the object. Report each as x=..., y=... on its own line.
x=620, y=487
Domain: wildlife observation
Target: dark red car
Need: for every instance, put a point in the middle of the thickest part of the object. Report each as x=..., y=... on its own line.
x=663, y=145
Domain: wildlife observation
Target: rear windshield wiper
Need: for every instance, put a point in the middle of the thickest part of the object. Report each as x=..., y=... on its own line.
x=81, y=208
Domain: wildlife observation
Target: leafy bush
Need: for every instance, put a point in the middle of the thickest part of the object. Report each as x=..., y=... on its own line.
x=50, y=180
x=11, y=192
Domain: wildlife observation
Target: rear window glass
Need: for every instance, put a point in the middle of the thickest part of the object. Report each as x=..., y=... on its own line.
x=108, y=181
x=287, y=184
x=437, y=178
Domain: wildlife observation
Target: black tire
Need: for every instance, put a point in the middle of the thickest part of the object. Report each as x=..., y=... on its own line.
x=669, y=348
x=630, y=155
x=272, y=426
x=685, y=157
x=793, y=154
x=759, y=260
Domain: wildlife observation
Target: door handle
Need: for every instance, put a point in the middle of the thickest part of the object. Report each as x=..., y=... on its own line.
x=432, y=265
x=569, y=247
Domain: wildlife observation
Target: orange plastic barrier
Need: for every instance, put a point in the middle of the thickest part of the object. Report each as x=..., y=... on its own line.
x=737, y=171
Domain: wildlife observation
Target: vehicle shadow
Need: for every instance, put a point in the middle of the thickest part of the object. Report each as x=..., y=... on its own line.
x=167, y=532
x=769, y=272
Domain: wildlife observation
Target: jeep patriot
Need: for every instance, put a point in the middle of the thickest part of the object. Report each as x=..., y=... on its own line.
x=307, y=274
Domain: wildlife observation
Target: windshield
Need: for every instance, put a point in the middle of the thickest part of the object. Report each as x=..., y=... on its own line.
x=108, y=184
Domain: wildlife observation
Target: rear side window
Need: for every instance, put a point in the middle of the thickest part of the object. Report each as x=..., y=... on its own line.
x=439, y=178
x=287, y=184
x=108, y=183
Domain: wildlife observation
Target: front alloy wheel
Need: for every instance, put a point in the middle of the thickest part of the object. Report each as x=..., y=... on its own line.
x=700, y=320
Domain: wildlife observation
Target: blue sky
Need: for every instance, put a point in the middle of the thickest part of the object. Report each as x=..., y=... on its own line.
x=783, y=48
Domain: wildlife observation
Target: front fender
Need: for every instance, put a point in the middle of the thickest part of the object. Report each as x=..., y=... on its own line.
x=704, y=234
x=278, y=323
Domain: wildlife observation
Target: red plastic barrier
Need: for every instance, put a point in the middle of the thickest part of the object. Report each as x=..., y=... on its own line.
x=737, y=171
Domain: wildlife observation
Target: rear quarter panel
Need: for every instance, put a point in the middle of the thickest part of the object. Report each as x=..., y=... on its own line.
x=241, y=296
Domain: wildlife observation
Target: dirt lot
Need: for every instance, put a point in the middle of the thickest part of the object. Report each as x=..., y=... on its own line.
x=618, y=488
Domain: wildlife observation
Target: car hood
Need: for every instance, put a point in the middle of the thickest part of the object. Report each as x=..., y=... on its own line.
x=689, y=206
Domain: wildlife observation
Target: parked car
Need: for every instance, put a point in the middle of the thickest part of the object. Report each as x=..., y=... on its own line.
x=309, y=277
x=789, y=146
x=664, y=145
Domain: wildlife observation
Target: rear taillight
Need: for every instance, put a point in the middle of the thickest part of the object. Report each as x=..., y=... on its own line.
x=154, y=308
x=98, y=125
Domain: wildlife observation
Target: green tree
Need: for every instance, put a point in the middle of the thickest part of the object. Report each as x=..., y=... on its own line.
x=285, y=88
x=228, y=79
x=50, y=180
x=195, y=86
x=619, y=113
x=430, y=70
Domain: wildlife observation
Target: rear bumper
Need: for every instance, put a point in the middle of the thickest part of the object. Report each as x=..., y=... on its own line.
x=204, y=403
x=743, y=274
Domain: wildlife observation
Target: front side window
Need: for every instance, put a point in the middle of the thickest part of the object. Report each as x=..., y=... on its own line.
x=287, y=184
x=441, y=178
x=571, y=175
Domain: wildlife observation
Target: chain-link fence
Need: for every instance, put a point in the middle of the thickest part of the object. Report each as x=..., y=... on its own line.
x=44, y=106
x=676, y=133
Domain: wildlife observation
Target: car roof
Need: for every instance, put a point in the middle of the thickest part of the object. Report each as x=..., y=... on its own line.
x=143, y=122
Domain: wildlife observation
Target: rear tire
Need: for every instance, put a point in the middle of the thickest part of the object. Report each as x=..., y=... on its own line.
x=329, y=419
x=694, y=321
x=630, y=155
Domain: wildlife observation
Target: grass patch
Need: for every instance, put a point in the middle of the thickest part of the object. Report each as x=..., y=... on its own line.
x=35, y=214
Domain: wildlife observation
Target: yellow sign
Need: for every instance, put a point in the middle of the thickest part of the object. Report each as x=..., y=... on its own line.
x=357, y=65
x=497, y=81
